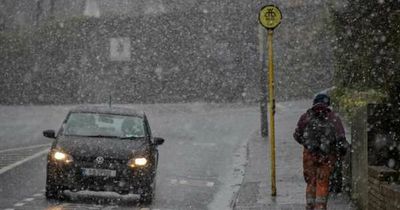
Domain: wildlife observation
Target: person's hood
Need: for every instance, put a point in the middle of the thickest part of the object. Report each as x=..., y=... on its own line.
x=321, y=107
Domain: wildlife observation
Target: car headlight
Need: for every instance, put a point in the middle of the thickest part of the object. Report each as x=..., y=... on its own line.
x=61, y=156
x=137, y=162
x=140, y=161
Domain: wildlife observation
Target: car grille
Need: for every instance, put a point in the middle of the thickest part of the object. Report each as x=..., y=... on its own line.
x=113, y=164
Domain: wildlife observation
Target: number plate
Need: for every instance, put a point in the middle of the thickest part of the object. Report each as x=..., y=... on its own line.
x=98, y=172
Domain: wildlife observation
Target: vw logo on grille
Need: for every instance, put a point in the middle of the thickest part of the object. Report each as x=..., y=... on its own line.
x=99, y=160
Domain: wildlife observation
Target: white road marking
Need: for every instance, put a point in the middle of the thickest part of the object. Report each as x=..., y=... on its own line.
x=19, y=204
x=192, y=182
x=23, y=148
x=28, y=199
x=9, y=209
x=37, y=195
x=183, y=181
x=9, y=167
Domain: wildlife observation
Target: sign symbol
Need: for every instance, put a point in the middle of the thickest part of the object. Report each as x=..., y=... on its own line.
x=120, y=48
x=99, y=160
x=270, y=14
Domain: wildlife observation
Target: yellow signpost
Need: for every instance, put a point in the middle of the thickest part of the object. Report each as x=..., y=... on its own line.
x=270, y=17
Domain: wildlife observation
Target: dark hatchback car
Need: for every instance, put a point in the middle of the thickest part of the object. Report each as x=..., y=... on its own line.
x=99, y=148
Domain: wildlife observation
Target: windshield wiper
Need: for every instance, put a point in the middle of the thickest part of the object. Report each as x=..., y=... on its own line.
x=101, y=136
x=131, y=137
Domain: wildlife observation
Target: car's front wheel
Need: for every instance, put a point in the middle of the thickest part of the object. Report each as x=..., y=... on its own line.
x=147, y=195
x=53, y=191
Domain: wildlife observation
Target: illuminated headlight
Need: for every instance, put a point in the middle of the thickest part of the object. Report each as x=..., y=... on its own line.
x=60, y=156
x=137, y=162
x=140, y=161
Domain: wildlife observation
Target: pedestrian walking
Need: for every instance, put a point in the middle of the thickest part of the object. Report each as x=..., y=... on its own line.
x=321, y=133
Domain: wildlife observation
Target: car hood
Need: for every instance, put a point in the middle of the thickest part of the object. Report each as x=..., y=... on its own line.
x=91, y=147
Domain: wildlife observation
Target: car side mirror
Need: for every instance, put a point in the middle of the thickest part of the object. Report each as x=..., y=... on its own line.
x=49, y=134
x=158, y=141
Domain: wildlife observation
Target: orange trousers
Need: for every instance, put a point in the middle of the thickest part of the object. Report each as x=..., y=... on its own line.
x=317, y=170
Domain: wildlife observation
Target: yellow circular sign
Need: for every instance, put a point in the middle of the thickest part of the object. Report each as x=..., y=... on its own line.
x=270, y=16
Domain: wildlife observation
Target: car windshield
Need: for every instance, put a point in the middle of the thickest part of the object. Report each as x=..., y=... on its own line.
x=104, y=125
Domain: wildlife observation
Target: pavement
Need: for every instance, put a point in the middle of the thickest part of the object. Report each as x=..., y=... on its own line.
x=255, y=190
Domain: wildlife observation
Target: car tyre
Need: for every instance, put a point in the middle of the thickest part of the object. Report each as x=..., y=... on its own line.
x=147, y=196
x=53, y=192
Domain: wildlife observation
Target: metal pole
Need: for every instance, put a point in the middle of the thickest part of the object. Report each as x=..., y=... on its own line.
x=263, y=81
x=271, y=112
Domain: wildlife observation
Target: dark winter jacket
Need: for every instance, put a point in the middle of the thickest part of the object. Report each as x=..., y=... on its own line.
x=305, y=118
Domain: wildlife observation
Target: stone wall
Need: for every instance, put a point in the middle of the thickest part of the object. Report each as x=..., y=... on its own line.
x=383, y=193
x=373, y=185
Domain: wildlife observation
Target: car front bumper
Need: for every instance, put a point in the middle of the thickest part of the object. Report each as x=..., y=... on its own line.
x=71, y=177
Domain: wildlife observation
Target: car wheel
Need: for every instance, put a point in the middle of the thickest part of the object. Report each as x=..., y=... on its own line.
x=146, y=197
x=53, y=192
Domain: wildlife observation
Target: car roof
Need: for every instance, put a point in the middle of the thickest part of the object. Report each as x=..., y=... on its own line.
x=102, y=109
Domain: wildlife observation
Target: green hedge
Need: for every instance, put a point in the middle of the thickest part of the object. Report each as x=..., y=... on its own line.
x=347, y=101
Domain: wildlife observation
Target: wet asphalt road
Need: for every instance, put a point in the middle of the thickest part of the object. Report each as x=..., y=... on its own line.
x=201, y=162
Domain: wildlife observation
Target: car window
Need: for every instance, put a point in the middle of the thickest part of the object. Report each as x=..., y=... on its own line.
x=93, y=124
